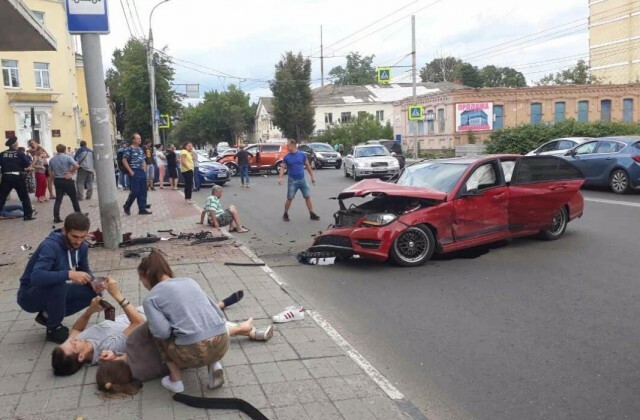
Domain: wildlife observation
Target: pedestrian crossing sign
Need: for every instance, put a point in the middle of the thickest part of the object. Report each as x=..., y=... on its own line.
x=384, y=74
x=416, y=113
x=165, y=121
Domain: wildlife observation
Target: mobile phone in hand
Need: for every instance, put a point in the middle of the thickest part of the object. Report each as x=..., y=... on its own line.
x=109, y=310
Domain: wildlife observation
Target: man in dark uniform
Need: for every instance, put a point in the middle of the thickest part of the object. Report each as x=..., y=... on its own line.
x=134, y=163
x=14, y=165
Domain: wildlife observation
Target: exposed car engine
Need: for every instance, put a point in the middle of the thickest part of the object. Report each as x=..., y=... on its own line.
x=380, y=204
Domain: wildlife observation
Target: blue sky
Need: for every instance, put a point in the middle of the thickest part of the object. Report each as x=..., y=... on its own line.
x=216, y=43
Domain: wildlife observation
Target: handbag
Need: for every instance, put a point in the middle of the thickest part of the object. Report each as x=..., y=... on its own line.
x=30, y=181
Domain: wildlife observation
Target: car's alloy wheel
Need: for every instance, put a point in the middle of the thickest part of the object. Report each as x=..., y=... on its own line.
x=232, y=168
x=619, y=181
x=413, y=247
x=558, y=226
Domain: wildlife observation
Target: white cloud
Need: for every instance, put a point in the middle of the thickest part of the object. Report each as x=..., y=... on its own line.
x=246, y=39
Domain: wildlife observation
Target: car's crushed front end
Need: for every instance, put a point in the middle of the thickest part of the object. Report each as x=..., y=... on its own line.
x=369, y=229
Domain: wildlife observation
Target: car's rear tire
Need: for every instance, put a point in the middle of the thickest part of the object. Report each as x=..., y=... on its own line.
x=558, y=226
x=338, y=166
x=619, y=182
x=233, y=168
x=413, y=247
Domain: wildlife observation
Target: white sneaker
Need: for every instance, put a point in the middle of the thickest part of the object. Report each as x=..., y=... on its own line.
x=176, y=387
x=290, y=313
x=215, y=375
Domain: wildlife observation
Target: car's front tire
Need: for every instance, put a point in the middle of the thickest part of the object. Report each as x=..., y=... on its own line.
x=619, y=182
x=353, y=174
x=338, y=165
x=413, y=247
x=558, y=226
x=233, y=168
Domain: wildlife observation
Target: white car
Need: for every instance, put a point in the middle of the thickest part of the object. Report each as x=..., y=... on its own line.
x=371, y=160
x=222, y=146
x=558, y=147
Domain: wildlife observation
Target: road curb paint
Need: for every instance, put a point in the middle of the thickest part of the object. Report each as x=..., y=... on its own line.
x=616, y=202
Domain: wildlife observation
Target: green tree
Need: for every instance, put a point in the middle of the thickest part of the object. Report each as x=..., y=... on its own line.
x=469, y=75
x=364, y=127
x=293, y=112
x=580, y=74
x=441, y=70
x=493, y=76
x=359, y=71
x=221, y=116
x=128, y=83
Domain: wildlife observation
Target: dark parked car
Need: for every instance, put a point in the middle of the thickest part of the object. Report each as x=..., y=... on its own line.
x=321, y=155
x=609, y=161
x=396, y=150
x=446, y=205
x=211, y=172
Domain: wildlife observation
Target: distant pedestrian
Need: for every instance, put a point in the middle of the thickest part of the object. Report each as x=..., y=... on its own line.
x=149, y=160
x=62, y=167
x=161, y=163
x=242, y=157
x=125, y=181
x=172, y=166
x=86, y=171
x=296, y=162
x=196, y=171
x=14, y=166
x=186, y=167
x=341, y=148
x=39, y=167
x=134, y=164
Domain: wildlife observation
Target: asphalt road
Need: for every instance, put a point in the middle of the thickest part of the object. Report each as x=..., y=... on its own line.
x=530, y=330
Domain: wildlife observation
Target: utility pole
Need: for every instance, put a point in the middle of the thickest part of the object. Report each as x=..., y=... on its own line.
x=413, y=74
x=152, y=88
x=101, y=135
x=321, y=59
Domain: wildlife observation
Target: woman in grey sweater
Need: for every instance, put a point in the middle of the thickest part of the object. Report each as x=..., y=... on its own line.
x=189, y=329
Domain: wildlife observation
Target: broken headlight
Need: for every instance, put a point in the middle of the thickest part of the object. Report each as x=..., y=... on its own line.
x=378, y=219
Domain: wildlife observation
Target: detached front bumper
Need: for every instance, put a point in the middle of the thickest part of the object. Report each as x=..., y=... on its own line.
x=368, y=242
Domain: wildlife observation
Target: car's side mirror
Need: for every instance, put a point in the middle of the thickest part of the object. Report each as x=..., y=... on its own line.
x=393, y=153
x=570, y=153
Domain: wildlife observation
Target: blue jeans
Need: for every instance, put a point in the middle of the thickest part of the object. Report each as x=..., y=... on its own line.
x=293, y=185
x=12, y=211
x=124, y=179
x=196, y=178
x=138, y=190
x=244, y=174
x=60, y=300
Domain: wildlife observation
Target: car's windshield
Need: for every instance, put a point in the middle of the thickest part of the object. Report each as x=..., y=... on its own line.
x=438, y=176
x=371, y=151
x=322, y=148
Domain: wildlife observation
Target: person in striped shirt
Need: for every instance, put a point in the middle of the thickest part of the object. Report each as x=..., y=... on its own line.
x=217, y=216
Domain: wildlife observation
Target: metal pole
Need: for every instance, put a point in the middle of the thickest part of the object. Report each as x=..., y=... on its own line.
x=152, y=89
x=413, y=74
x=102, y=147
x=321, y=59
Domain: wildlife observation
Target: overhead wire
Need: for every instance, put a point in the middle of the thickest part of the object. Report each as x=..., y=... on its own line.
x=126, y=19
x=142, y=31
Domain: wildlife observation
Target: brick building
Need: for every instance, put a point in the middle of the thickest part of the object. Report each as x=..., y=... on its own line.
x=450, y=115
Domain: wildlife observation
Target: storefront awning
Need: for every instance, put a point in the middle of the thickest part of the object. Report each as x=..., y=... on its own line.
x=21, y=31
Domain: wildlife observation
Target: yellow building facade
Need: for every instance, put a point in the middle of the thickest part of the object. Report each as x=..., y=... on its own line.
x=614, y=40
x=48, y=83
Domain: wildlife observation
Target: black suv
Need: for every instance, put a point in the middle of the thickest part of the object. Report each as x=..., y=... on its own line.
x=321, y=155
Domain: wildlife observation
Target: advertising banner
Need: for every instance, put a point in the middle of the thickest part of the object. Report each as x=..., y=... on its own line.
x=476, y=116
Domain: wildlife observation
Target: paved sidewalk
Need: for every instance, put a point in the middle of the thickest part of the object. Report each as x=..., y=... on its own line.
x=300, y=373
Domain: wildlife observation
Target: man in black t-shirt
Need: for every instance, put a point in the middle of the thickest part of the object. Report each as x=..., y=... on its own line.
x=242, y=157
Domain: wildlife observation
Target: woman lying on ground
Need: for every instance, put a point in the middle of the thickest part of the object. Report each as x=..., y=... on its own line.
x=188, y=328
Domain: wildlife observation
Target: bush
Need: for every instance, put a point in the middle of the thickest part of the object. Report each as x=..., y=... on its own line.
x=524, y=138
x=360, y=129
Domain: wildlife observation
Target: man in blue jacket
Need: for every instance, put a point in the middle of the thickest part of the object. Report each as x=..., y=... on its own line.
x=57, y=280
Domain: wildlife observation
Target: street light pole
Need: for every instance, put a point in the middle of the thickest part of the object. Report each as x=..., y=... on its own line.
x=152, y=81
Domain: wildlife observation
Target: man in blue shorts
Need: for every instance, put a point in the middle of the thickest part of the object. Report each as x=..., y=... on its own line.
x=296, y=162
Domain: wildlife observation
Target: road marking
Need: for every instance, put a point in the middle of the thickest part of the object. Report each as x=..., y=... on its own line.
x=354, y=354
x=617, y=202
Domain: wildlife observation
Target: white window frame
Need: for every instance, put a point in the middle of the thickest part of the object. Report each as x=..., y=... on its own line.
x=380, y=115
x=41, y=75
x=9, y=71
x=328, y=117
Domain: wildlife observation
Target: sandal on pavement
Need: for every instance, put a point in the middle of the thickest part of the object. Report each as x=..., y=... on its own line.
x=290, y=313
x=262, y=334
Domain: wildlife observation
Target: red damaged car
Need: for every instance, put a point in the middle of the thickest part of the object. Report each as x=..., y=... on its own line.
x=447, y=205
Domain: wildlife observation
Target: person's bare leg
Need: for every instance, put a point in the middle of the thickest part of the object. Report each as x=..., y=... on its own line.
x=202, y=213
x=236, y=219
x=243, y=328
x=309, y=204
x=174, y=372
x=287, y=205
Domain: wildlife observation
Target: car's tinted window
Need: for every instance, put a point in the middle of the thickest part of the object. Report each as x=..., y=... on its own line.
x=566, y=145
x=270, y=148
x=586, y=148
x=544, y=168
x=304, y=148
x=637, y=146
x=606, y=146
x=433, y=175
x=483, y=177
x=552, y=145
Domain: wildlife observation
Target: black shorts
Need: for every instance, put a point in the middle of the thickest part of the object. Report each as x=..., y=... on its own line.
x=172, y=172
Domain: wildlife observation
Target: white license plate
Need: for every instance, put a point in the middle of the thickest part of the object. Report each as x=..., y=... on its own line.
x=331, y=161
x=382, y=169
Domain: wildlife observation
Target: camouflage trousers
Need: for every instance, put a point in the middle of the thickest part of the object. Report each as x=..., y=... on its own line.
x=195, y=355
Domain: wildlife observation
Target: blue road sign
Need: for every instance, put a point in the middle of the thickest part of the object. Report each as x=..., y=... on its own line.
x=87, y=16
x=416, y=113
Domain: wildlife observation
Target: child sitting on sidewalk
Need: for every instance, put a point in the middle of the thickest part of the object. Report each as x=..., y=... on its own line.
x=218, y=217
